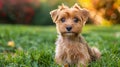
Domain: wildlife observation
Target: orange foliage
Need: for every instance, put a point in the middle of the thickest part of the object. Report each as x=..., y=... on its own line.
x=102, y=11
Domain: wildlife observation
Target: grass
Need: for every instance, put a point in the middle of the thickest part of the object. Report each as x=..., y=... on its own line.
x=34, y=45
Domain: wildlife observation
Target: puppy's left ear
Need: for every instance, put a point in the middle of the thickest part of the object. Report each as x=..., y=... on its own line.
x=85, y=15
x=54, y=15
x=84, y=12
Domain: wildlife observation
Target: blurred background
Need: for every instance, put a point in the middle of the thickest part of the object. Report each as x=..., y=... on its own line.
x=36, y=12
x=26, y=40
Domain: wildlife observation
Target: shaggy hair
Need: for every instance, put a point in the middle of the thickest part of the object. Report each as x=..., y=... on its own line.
x=71, y=47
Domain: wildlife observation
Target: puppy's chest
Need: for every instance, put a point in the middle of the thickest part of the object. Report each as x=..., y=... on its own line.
x=72, y=52
x=73, y=49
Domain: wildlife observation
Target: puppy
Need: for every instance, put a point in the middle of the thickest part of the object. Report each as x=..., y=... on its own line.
x=71, y=48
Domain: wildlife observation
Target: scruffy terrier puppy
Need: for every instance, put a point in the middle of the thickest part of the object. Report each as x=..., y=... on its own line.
x=71, y=48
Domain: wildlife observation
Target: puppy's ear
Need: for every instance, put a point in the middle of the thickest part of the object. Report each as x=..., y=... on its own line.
x=85, y=15
x=54, y=15
x=83, y=12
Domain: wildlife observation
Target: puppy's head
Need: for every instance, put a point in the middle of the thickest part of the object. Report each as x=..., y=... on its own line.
x=69, y=21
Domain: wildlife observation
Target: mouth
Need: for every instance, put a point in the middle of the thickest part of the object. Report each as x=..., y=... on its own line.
x=69, y=33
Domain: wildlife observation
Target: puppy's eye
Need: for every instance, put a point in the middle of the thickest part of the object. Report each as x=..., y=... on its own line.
x=62, y=19
x=75, y=19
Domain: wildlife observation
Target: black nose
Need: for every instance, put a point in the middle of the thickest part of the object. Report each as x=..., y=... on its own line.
x=68, y=28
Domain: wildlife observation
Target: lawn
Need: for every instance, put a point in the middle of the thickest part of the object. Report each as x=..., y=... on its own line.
x=33, y=46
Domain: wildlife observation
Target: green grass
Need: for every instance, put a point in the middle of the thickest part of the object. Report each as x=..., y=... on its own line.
x=34, y=45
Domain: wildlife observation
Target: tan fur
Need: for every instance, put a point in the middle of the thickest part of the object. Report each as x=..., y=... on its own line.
x=71, y=48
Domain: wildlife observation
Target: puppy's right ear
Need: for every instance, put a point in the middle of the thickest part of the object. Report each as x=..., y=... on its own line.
x=54, y=15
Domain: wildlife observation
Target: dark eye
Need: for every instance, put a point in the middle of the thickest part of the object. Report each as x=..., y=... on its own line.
x=62, y=19
x=75, y=19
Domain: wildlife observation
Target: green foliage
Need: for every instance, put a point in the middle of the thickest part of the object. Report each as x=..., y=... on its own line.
x=42, y=15
x=34, y=45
